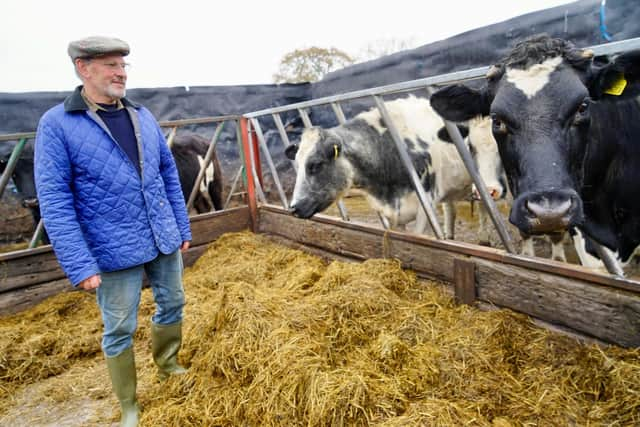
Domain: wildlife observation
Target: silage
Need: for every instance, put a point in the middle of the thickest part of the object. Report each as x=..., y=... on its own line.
x=275, y=337
x=46, y=340
x=286, y=340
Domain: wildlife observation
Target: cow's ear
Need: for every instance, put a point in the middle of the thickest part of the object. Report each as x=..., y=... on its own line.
x=459, y=103
x=443, y=133
x=617, y=78
x=291, y=151
x=580, y=59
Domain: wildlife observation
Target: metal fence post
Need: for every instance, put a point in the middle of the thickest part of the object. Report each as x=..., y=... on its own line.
x=203, y=168
x=11, y=164
x=270, y=164
x=251, y=188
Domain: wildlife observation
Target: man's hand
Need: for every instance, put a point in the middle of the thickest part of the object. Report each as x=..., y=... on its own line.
x=184, y=246
x=90, y=282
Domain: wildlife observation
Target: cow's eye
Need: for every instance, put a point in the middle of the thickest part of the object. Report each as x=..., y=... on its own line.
x=314, y=167
x=583, y=107
x=582, y=113
x=497, y=125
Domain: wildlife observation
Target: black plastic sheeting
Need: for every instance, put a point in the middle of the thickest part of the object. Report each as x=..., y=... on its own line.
x=20, y=112
x=578, y=21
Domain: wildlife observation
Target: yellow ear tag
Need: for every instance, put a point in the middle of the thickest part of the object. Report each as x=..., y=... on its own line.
x=335, y=151
x=617, y=87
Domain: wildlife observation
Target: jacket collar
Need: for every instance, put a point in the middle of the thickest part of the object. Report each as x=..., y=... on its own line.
x=75, y=102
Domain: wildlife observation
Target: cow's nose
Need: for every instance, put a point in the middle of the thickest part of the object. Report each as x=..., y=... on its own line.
x=494, y=193
x=546, y=212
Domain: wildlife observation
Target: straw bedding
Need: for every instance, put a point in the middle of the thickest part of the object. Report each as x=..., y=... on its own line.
x=276, y=337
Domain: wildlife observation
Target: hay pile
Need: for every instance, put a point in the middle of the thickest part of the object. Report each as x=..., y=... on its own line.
x=284, y=340
x=46, y=340
x=273, y=336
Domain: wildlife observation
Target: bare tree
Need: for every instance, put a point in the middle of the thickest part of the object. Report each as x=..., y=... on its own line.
x=382, y=47
x=310, y=64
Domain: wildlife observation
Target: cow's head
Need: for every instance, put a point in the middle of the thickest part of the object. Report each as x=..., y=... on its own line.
x=539, y=100
x=484, y=150
x=323, y=172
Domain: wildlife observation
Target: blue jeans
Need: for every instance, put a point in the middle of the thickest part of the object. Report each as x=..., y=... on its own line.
x=119, y=297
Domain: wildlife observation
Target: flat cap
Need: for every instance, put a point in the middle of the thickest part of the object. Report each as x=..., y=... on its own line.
x=90, y=47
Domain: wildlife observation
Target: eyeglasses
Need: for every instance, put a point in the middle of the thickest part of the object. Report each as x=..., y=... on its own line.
x=114, y=66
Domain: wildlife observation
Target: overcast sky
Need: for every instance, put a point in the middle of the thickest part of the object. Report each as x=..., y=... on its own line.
x=193, y=43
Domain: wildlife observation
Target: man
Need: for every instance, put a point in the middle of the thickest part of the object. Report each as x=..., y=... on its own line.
x=113, y=207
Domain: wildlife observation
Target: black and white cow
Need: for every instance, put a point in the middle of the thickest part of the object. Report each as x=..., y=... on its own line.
x=189, y=151
x=568, y=131
x=361, y=154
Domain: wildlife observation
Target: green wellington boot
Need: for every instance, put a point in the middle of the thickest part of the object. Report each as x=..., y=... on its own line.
x=122, y=370
x=165, y=343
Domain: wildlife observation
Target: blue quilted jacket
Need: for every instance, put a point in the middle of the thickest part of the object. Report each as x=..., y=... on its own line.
x=100, y=214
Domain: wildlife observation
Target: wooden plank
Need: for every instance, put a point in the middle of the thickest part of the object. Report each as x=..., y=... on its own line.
x=342, y=241
x=15, y=299
x=7, y=256
x=464, y=277
x=34, y=266
x=208, y=227
x=585, y=303
x=29, y=276
x=361, y=244
x=21, y=299
x=191, y=256
x=462, y=248
x=29, y=269
x=607, y=314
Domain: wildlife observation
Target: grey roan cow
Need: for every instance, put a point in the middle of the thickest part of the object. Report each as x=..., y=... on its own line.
x=361, y=154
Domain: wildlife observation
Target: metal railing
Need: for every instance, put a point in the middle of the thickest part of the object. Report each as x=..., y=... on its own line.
x=377, y=93
x=173, y=125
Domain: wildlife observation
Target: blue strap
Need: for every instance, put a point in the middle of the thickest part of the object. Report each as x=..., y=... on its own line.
x=603, y=26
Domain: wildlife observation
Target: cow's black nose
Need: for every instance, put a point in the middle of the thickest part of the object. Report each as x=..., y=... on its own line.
x=546, y=212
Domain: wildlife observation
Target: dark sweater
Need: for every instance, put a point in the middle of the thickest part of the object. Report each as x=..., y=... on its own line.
x=119, y=123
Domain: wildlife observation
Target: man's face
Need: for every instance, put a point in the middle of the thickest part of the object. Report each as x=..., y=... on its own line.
x=106, y=76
